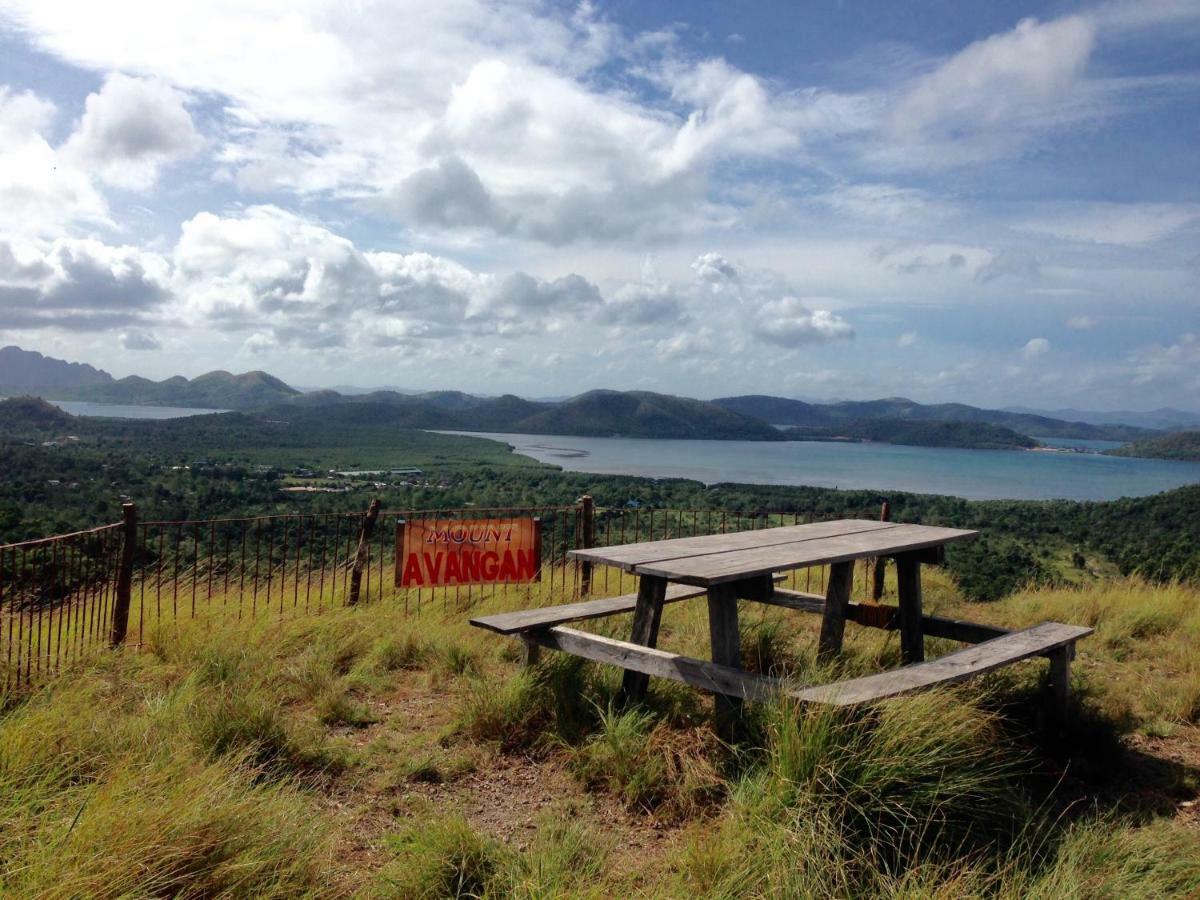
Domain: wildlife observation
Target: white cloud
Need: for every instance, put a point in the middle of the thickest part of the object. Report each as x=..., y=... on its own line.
x=78, y=284
x=1170, y=365
x=907, y=339
x=884, y=203
x=1081, y=323
x=988, y=98
x=41, y=193
x=486, y=122
x=788, y=322
x=1127, y=224
x=140, y=340
x=130, y=129
x=1035, y=348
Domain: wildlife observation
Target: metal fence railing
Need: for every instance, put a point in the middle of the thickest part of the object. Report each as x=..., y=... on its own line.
x=56, y=600
x=63, y=596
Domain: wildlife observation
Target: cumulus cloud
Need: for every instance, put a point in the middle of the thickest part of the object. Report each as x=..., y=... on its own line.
x=1035, y=347
x=714, y=269
x=448, y=194
x=140, y=340
x=130, y=129
x=1175, y=365
x=491, y=121
x=787, y=322
x=41, y=191
x=79, y=285
x=294, y=281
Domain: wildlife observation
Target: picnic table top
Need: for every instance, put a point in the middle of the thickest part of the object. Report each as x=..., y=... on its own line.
x=717, y=558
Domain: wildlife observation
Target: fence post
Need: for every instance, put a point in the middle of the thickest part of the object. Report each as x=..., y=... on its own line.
x=360, y=557
x=120, y=615
x=885, y=515
x=587, y=540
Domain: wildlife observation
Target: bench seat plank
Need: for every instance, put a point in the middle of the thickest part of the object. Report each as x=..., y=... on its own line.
x=952, y=667
x=548, y=616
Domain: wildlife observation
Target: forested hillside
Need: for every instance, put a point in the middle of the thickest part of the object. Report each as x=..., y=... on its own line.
x=1178, y=445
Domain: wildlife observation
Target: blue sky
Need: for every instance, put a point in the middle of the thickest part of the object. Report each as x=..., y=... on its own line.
x=995, y=203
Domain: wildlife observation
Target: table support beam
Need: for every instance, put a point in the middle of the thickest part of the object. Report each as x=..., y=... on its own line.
x=647, y=615
x=908, y=589
x=726, y=651
x=837, y=599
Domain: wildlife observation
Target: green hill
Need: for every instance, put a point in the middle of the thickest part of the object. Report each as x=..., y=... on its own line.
x=221, y=390
x=32, y=415
x=1182, y=445
x=644, y=414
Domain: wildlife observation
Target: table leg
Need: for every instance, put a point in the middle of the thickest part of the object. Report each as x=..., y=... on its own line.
x=837, y=599
x=726, y=651
x=647, y=614
x=908, y=586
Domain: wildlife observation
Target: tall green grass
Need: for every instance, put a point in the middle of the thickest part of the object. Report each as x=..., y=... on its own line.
x=226, y=759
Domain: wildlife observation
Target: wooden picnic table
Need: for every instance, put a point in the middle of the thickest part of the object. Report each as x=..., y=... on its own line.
x=745, y=565
x=740, y=566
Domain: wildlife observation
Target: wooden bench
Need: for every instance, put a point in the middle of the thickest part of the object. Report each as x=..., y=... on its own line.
x=992, y=648
x=524, y=622
x=548, y=616
x=1052, y=639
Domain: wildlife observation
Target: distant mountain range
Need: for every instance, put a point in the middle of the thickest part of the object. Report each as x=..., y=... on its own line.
x=1166, y=417
x=834, y=416
x=595, y=413
x=213, y=390
x=25, y=370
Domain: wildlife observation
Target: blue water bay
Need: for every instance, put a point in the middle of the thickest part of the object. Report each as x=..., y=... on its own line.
x=974, y=474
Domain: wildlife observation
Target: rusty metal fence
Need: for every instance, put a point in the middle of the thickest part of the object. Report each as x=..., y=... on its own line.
x=62, y=597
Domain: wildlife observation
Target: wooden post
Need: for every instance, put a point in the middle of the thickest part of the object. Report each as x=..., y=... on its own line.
x=587, y=540
x=360, y=557
x=885, y=515
x=1059, y=686
x=908, y=586
x=647, y=615
x=120, y=614
x=400, y=553
x=532, y=652
x=837, y=600
x=726, y=651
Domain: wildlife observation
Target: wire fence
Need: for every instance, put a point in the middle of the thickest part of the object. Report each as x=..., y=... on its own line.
x=56, y=600
x=62, y=597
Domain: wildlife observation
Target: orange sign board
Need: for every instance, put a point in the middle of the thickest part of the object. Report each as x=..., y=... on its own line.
x=440, y=552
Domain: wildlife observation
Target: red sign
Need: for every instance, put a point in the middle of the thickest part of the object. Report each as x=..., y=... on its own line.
x=432, y=552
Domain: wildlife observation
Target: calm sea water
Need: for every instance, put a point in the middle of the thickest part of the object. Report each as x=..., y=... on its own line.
x=117, y=411
x=975, y=474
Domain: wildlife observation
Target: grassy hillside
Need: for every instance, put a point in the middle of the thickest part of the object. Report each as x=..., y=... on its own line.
x=1183, y=445
x=368, y=753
